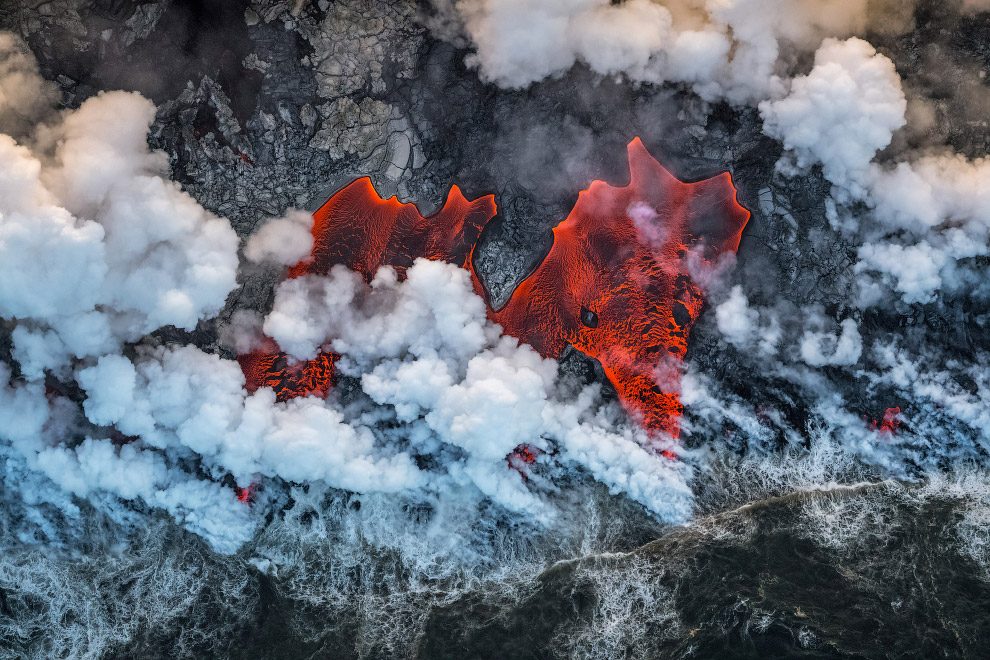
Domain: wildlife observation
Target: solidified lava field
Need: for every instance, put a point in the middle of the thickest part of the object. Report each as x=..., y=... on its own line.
x=617, y=283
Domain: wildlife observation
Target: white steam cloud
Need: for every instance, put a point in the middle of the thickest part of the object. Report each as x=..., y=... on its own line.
x=926, y=216
x=724, y=48
x=440, y=381
x=98, y=249
x=841, y=113
x=284, y=241
x=821, y=348
x=741, y=325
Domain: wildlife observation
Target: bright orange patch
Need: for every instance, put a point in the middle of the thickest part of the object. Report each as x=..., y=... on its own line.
x=360, y=230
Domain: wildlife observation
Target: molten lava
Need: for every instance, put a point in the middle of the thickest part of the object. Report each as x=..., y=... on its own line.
x=522, y=457
x=889, y=423
x=270, y=367
x=246, y=494
x=615, y=285
x=360, y=230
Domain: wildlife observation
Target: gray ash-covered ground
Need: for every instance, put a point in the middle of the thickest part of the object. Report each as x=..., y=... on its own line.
x=265, y=105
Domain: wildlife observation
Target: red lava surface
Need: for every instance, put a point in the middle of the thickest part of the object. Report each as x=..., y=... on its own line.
x=269, y=367
x=889, y=423
x=619, y=290
x=360, y=230
x=616, y=283
x=246, y=494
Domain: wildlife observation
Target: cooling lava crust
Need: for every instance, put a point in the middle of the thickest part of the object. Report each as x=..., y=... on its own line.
x=617, y=283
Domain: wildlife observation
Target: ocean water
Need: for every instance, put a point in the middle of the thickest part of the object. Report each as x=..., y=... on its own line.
x=875, y=568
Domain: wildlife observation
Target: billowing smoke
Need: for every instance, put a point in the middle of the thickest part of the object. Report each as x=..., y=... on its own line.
x=25, y=98
x=97, y=246
x=424, y=348
x=723, y=49
x=440, y=381
x=840, y=114
x=926, y=215
x=99, y=249
x=284, y=241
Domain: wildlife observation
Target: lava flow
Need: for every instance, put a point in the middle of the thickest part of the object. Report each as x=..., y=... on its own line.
x=616, y=284
x=360, y=230
x=270, y=367
x=889, y=423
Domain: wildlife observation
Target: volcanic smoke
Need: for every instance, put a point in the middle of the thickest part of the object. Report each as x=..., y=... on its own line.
x=616, y=284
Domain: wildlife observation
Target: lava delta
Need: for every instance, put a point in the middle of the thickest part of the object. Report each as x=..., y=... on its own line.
x=617, y=283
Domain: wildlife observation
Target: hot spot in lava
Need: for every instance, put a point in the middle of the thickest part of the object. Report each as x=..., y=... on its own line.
x=889, y=423
x=616, y=284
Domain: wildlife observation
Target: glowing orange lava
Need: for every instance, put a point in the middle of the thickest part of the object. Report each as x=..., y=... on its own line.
x=616, y=283
x=889, y=423
x=245, y=494
x=522, y=457
x=270, y=367
x=360, y=230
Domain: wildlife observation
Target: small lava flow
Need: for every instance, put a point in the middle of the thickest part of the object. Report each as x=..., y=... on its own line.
x=270, y=367
x=889, y=423
x=616, y=284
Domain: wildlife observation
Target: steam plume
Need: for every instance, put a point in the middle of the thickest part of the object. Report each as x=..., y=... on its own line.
x=99, y=249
